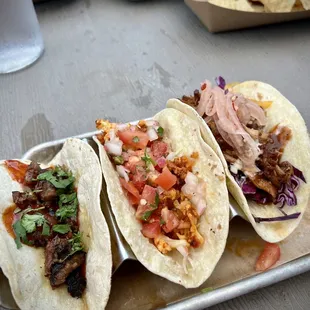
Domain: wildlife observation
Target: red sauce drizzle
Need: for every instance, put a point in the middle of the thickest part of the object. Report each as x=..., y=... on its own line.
x=7, y=218
x=17, y=170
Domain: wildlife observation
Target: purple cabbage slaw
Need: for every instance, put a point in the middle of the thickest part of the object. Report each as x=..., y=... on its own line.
x=285, y=194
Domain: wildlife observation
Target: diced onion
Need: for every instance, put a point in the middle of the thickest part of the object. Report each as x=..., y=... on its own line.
x=160, y=190
x=121, y=127
x=171, y=156
x=152, y=134
x=114, y=147
x=122, y=171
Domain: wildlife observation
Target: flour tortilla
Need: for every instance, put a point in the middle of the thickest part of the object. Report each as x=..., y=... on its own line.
x=183, y=134
x=297, y=152
x=25, y=267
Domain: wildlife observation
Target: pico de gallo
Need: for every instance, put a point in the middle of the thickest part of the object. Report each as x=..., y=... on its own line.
x=160, y=184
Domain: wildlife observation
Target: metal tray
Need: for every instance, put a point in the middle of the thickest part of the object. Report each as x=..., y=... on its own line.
x=121, y=251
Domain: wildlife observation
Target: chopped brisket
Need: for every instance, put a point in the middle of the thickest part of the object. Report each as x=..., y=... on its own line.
x=56, y=250
x=192, y=100
x=23, y=199
x=32, y=173
x=76, y=283
x=46, y=191
x=38, y=239
x=60, y=271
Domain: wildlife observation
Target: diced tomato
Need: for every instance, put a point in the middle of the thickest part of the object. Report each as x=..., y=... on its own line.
x=151, y=230
x=136, y=139
x=139, y=180
x=159, y=149
x=166, y=180
x=269, y=256
x=134, y=201
x=130, y=188
x=149, y=194
x=170, y=219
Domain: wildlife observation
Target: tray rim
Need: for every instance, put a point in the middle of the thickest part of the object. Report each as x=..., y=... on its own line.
x=228, y=291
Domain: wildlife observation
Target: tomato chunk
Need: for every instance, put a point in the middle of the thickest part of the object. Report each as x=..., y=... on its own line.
x=159, y=149
x=151, y=230
x=129, y=187
x=166, y=179
x=136, y=139
x=269, y=256
x=134, y=201
x=149, y=194
x=170, y=219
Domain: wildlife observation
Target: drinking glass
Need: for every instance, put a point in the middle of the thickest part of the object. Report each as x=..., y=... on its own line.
x=21, y=42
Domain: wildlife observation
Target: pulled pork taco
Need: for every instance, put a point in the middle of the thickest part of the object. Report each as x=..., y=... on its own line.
x=54, y=240
x=264, y=146
x=168, y=194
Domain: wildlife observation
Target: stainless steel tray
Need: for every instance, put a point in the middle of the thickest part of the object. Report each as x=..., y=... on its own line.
x=121, y=251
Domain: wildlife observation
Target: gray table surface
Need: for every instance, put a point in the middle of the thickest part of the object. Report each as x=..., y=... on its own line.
x=122, y=61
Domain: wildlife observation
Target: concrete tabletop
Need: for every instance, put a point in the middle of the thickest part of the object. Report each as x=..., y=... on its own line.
x=121, y=60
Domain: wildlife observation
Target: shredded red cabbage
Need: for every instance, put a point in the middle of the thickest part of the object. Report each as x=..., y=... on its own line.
x=220, y=82
x=277, y=219
x=299, y=174
x=286, y=193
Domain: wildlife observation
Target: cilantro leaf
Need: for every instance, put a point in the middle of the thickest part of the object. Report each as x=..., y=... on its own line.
x=45, y=229
x=146, y=215
x=66, y=198
x=118, y=160
x=207, y=289
x=162, y=222
x=76, y=243
x=68, y=204
x=135, y=139
x=148, y=160
x=160, y=131
x=58, y=177
x=20, y=232
x=62, y=228
x=30, y=221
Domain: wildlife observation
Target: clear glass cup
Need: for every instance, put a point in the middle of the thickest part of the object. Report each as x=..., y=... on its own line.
x=21, y=41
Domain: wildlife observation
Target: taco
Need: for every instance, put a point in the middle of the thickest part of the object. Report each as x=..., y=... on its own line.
x=263, y=143
x=54, y=240
x=168, y=194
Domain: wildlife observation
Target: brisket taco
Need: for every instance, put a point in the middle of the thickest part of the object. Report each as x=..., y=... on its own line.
x=54, y=240
x=168, y=194
x=263, y=143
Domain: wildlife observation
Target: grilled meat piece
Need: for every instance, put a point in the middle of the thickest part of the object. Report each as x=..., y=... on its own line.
x=38, y=239
x=60, y=271
x=192, y=100
x=56, y=251
x=32, y=173
x=76, y=283
x=24, y=199
x=260, y=182
x=46, y=191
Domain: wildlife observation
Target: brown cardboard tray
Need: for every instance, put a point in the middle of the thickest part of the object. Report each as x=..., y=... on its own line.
x=218, y=19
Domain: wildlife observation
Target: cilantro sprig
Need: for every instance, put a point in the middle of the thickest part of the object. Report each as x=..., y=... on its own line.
x=148, y=160
x=58, y=177
x=146, y=215
x=61, y=228
x=135, y=139
x=160, y=131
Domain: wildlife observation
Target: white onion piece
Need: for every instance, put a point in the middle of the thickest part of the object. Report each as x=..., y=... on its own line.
x=133, y=128
x=191, y=178
x=121, y=126
x=152, y=134
x=201, y=206
x=184, y=251
x=122, y=171
x=114, y=147
x=174, y=243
